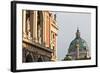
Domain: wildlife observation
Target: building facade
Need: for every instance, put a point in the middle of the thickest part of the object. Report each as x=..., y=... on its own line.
x=78, y=49
x=39, y=42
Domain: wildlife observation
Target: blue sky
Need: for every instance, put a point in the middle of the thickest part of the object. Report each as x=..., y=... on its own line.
x=68, y=23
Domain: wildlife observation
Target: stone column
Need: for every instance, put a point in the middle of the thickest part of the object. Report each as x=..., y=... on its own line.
x=56, y=46
x=44, y=28
x=24, y=23
x=35, y=26
x=77, y=52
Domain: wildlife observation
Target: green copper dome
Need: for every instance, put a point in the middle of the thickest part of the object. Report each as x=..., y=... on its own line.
x=82, y=45
x=78, y=49
x=78, y=40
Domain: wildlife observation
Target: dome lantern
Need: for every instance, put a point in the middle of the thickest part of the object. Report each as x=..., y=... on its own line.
x=78, y=33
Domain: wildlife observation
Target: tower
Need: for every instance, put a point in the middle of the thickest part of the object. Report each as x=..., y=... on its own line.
x=78, y=48
x=77, y=44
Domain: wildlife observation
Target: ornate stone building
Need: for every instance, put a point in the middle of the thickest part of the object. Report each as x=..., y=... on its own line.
x=78, y=49
x=39, y=42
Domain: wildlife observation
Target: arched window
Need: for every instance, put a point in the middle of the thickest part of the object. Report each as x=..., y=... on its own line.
x=29, y=58
x=40, y=27
x=40, y=59
x=28, y=25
